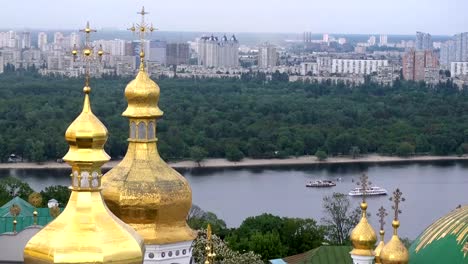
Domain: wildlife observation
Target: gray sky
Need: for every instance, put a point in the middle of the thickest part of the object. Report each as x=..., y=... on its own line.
x=333, y=16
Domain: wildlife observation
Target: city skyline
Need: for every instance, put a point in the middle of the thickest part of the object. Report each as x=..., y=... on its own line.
x=334, y=16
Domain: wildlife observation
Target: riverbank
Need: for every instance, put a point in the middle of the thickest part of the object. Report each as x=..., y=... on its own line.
x=222, y=163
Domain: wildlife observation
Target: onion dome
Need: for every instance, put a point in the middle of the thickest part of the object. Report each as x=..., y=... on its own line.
x=363, y=236
x=142, y=190
x=445, y=241
x=142, y=95
x=379, y=247
x=86, y=231
x=394, y=251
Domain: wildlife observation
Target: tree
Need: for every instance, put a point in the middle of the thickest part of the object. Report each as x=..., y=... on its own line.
x=321, y=155
x=198, y=154
x=354, y=151
x=267, y=245
x=11, y=187
x=339, y=218
x=405, y=149
x=233, y=153
x=57, y=192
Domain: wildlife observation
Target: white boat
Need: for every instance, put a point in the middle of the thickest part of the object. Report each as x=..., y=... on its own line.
x=319, y=183
x=371, y=191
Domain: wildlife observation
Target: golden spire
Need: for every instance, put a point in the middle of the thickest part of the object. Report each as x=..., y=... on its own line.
x=142, y=28
x=394, y=251
x=210, y=254
x=15, y=210
x=381, y=214
x=142, y=189
x=86, y=231
x=363, y=235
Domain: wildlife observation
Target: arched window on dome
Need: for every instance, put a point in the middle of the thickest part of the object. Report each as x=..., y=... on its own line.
x=151, y=130
x=141, y=130
x=132, y=130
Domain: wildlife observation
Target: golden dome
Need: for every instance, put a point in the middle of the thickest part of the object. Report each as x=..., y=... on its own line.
x=142, y=189
x=379, y=247
x=86, y=136
x=86, y=231
x=142, y=95
x=363, y=236
x=394, y=251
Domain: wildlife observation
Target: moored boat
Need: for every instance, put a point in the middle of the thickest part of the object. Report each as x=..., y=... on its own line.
x=320, y=183
x=371, y=191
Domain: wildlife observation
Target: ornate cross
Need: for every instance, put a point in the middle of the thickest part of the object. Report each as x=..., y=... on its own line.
x=382, y=214
x=210, y=255
x=87, y=54
x=364, y=183
x=142, y=29
x=397, y=199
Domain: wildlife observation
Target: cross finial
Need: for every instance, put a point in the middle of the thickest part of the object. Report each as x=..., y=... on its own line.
x=210, y=255
x=382, y=214
x=87, y=54
x=364, y=183
x=397, y=199
x=142, y=28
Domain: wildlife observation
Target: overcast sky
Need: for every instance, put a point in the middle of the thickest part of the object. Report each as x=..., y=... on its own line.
x=332, y=16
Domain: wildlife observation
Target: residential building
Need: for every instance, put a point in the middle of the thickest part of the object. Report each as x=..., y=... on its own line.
x=215, y=52
x=75, y=40
x=359, y=67
x=1, y=65
x=459, y=68
x=342, y=41
x=177, y=53
x=156, y=50
x=309, y=68
x=423, y=41
x=325, y=38
x=267, y=56
x=42, y=41
x=447, y=53
x=461, y=46
x=420, y=65
x=383, y=40
x=372, y=41
x=58, y=38
x=26, y=40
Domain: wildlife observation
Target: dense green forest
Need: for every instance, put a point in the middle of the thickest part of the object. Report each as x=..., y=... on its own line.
x=234, y=118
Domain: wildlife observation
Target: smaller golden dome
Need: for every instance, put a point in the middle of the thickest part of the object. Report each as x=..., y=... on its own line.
x=363, y=236
x=86, y=136
x=394, y=252
x=142, y=95
x=379, y=247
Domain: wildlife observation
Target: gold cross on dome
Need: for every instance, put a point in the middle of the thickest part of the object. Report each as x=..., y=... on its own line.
x=382, y=214
x=364, y=183
x=87, y=53
x=142, y=29
x=397, y=199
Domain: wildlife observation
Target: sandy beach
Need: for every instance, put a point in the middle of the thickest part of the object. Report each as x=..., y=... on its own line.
x=223, y=163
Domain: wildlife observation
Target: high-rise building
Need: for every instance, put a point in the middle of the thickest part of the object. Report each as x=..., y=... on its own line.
x=58, y=38
x=26, y=40
x=1, y=64
x=459, y=68
x=267, y=56
x=383, y=40
x=359, y=67
x=75, y=40
x=419, y=65
x=214, y=52
x=42, y=40
x=156, y=51
x=372, y=41
x=177, y=53
x=461, y=46
x=423, y=41
x=325, y=37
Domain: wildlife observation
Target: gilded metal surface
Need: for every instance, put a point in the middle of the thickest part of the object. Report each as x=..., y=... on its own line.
x=142, y=189
x=363, y=236
x=394, y=251
x=86, y=231
x=455, y=223
x=35, y=199
x=210, y=254
x=381, y=214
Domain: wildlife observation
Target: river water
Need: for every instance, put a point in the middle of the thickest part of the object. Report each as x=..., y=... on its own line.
x=431, y=190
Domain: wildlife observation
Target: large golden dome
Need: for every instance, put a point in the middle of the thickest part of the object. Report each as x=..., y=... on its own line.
x=363, y=236
x=86, y=231
x=142, y=189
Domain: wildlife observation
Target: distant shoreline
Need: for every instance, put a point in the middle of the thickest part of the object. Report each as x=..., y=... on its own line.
x=248, y=163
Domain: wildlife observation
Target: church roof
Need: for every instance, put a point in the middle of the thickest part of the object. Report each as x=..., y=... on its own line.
x=445, y=241
x=322, y=255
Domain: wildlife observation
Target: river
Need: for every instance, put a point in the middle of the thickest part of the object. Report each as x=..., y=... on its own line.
x=431, y=189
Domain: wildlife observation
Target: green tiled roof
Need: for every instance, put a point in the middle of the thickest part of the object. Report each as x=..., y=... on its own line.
x=25, y=217
x=323, y=255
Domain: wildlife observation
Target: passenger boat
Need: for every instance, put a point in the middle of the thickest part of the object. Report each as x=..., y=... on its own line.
x=371, y=191
x=320, y=183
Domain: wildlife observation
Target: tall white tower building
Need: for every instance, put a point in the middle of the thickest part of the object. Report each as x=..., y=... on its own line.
x=267, y=56
x=215, y=52
x=42, y=41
